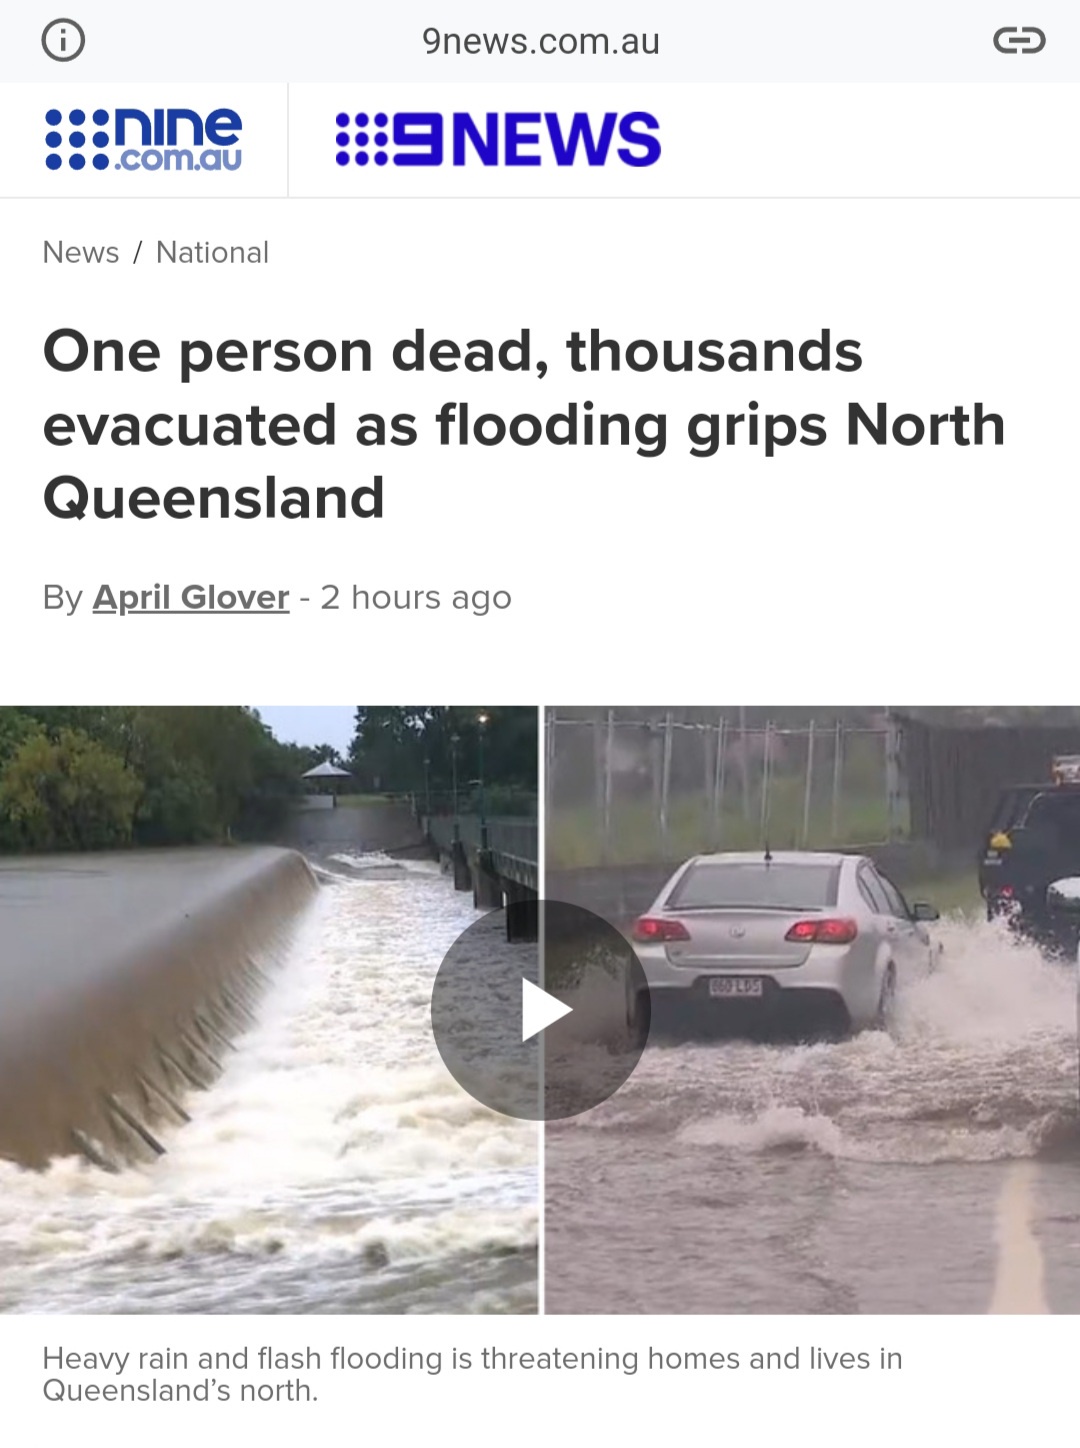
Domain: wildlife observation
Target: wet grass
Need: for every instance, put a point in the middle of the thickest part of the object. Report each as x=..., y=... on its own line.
x=576, y=835
x=954, y=894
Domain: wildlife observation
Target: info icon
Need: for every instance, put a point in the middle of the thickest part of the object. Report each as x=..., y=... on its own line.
x=538, y=1028
x=63, y=40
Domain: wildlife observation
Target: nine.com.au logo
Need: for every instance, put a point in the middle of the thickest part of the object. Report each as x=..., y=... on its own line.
x=134, y=140
x=509, y=138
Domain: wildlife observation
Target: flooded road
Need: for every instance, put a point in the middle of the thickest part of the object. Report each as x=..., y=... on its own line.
x=935, y=1170
x=335, y=1166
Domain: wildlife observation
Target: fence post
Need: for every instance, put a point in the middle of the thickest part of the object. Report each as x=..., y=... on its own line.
x=654, y=744
x=745, y=764
x=837, y=774
x=809, y=794
x=598, y=780
x=718, y=784
x=708, y=780
x=552, y=723
x=665, y=786
x=766, y=781
x=892, y=777
x=609, y=748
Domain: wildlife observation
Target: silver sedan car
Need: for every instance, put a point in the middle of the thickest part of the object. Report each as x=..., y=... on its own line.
x=794, y=938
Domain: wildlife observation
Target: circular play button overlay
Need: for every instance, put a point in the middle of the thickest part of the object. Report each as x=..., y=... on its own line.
x=530, y=1010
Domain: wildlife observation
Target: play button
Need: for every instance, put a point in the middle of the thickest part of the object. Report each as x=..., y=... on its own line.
x=538, y=1010
x=538, y=1029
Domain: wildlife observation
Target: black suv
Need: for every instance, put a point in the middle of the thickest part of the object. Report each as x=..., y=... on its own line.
x=1033, y=839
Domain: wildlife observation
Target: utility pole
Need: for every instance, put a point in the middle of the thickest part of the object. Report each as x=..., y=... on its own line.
x=455, y=740
x=482, y=720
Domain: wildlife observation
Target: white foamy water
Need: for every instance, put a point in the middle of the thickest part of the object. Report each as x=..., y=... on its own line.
x=334, y=1167
x=797, y=1142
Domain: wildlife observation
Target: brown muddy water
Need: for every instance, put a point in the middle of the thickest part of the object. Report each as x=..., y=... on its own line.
x=903, y=1173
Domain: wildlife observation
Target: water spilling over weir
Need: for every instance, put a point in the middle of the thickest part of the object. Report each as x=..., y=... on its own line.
x=330, y=1165
x=124, y=979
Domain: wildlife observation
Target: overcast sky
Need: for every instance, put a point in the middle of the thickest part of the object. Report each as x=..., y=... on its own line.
x=311, y=723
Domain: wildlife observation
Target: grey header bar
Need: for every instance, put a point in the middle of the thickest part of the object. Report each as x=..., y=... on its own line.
x=338, y=40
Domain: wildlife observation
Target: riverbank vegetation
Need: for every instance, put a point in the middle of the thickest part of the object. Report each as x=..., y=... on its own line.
x=442, y=756
x=85, y=778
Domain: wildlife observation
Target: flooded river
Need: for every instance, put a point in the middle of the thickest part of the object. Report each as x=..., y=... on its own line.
x=335, y=1167
x=880, y=1174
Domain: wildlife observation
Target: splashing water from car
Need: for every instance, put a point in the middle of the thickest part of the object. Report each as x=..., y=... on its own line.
x=979, y=1069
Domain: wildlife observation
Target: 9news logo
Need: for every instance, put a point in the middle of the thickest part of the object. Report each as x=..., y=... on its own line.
x=76, y=139
x=508, y=138
x=172, y=139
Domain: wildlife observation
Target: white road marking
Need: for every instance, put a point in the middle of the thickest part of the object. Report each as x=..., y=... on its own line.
x=1019, y=1284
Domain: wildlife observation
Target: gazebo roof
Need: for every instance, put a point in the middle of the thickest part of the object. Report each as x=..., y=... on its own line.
x=326, y=771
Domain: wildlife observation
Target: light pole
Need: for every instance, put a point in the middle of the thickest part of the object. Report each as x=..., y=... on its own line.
x=455, y=740
x=482, y=720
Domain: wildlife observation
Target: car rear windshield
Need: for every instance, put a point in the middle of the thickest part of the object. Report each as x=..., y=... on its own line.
x=1055, y=817
x=754, y=886
x=1010, y=808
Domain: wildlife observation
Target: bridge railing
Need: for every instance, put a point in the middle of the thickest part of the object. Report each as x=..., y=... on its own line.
x=506, y=835
x=514, y=843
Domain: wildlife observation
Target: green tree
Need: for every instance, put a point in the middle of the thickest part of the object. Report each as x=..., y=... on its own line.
x=248, y=777
x=68, y=793
x=413, y=747
x=192, y=775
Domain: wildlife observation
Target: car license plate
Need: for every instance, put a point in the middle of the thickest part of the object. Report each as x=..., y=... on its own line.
x=742, y=986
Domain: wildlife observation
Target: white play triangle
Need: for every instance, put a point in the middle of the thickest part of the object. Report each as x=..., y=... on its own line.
x=538, y=1010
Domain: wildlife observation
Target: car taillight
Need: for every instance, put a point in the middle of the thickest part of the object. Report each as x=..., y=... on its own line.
x=823, y=932
x=649, y=930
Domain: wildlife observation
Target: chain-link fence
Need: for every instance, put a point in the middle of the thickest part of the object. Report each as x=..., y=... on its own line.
x=624, y=789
